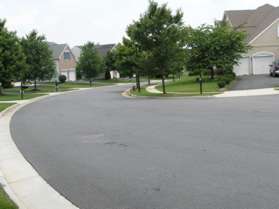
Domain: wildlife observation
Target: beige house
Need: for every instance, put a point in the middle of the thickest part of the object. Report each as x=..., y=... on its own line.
x=103, y=50
x=262, y=27
x=64, y=59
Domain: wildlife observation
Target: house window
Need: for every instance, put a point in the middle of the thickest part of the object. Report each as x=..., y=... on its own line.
x=278, y=31
x=67, y=55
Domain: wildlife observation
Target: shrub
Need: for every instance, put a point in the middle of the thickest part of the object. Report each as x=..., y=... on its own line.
x=62, y=78
x=194, y=72
x=219, y=72
x=221, y=83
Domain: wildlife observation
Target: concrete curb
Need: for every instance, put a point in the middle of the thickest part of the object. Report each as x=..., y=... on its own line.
x=20, y=180
x=225, y=94
x=248, y=93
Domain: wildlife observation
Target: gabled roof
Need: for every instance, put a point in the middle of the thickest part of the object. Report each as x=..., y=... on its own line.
x=56, y=49
x=253, y=21
x=104, y=49
x=101, y=49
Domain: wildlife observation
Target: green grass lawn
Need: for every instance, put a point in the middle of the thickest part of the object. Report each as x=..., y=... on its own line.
x=14, y=97
x=148, y=94
x=5, y=202
x=115, y=81
x=11, y=94
x=5, y=106
x=189, y=85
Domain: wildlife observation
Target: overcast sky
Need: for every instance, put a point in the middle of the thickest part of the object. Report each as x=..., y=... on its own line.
x=103, y=21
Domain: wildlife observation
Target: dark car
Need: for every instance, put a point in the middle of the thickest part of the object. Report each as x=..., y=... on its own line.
x=274, y=69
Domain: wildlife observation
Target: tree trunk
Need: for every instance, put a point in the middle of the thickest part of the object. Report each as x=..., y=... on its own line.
x=138, y=81
x=90, y=82
x=148, y=80
x=164, y=85
x=21, y=91
x=1, y=90
x=35, y=85
x=212, y=74
x=173, y=77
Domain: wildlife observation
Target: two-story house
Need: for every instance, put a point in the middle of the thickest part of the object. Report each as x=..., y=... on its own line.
x=262, y=28
x=64, y=60
x=103, y=50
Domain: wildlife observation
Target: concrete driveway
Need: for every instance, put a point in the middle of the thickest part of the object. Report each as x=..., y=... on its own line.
x=255, y=82
x=103, y=151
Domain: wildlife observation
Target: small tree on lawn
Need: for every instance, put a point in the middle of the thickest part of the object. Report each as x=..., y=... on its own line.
x=219, y=46
x=12, y=58
x=109, y=64
x=90, y=62
x=38, y=57
x=130, y=60
x=162, y=34
x=227, y=46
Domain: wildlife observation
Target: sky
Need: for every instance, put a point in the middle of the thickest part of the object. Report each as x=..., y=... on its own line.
x=104, y=21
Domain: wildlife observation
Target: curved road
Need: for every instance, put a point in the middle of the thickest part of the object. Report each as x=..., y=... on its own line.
x=103, y=151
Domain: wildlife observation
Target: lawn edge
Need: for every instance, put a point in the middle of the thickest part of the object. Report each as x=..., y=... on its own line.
x=49, y=196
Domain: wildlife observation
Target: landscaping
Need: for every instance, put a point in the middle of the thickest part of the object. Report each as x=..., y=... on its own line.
x=5, y=202
x=12, y=94
x=190, y=85
x=4, y=106
x=186, y=86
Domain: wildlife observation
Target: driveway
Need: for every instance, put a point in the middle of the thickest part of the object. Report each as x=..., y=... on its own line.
x=103, y=151
x=255, y=82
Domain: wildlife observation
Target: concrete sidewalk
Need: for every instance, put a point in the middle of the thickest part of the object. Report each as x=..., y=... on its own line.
x=234, y=93
x=248, y=93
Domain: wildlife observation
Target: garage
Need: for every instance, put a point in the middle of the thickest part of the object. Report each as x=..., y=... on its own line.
x=243, y=67
x=71, y=75
x=261, y=63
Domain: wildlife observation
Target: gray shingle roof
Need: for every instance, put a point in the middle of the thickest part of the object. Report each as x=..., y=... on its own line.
x=56, y=49
x=102, y=49
x=253, y=21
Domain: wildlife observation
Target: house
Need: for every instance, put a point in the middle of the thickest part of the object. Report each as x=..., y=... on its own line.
x=64, y=59
x=102, y=50
x=262, y=28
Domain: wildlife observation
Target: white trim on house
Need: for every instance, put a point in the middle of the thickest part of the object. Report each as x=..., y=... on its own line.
x=261, y=33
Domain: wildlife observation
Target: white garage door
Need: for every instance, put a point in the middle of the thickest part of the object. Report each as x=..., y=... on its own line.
x=243, y=67
x=72, y=76
x=262, y=64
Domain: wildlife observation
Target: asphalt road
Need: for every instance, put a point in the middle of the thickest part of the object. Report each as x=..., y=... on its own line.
x=103, y=151
x=256, y=82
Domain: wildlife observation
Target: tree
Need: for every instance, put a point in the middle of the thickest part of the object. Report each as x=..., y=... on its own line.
x=12, y=59
x=109, y=64
x=219, y=46
x=38, y=57
x=90, y=62
x=130, y=60
x=227, y=46
x=162, y=35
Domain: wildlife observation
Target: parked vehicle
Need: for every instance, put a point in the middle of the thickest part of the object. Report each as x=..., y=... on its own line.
x=274, y=69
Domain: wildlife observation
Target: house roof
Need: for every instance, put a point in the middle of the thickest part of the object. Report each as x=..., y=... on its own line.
x=104, y=49
x=101, y=49
x=56, y=49
x=253, y=21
